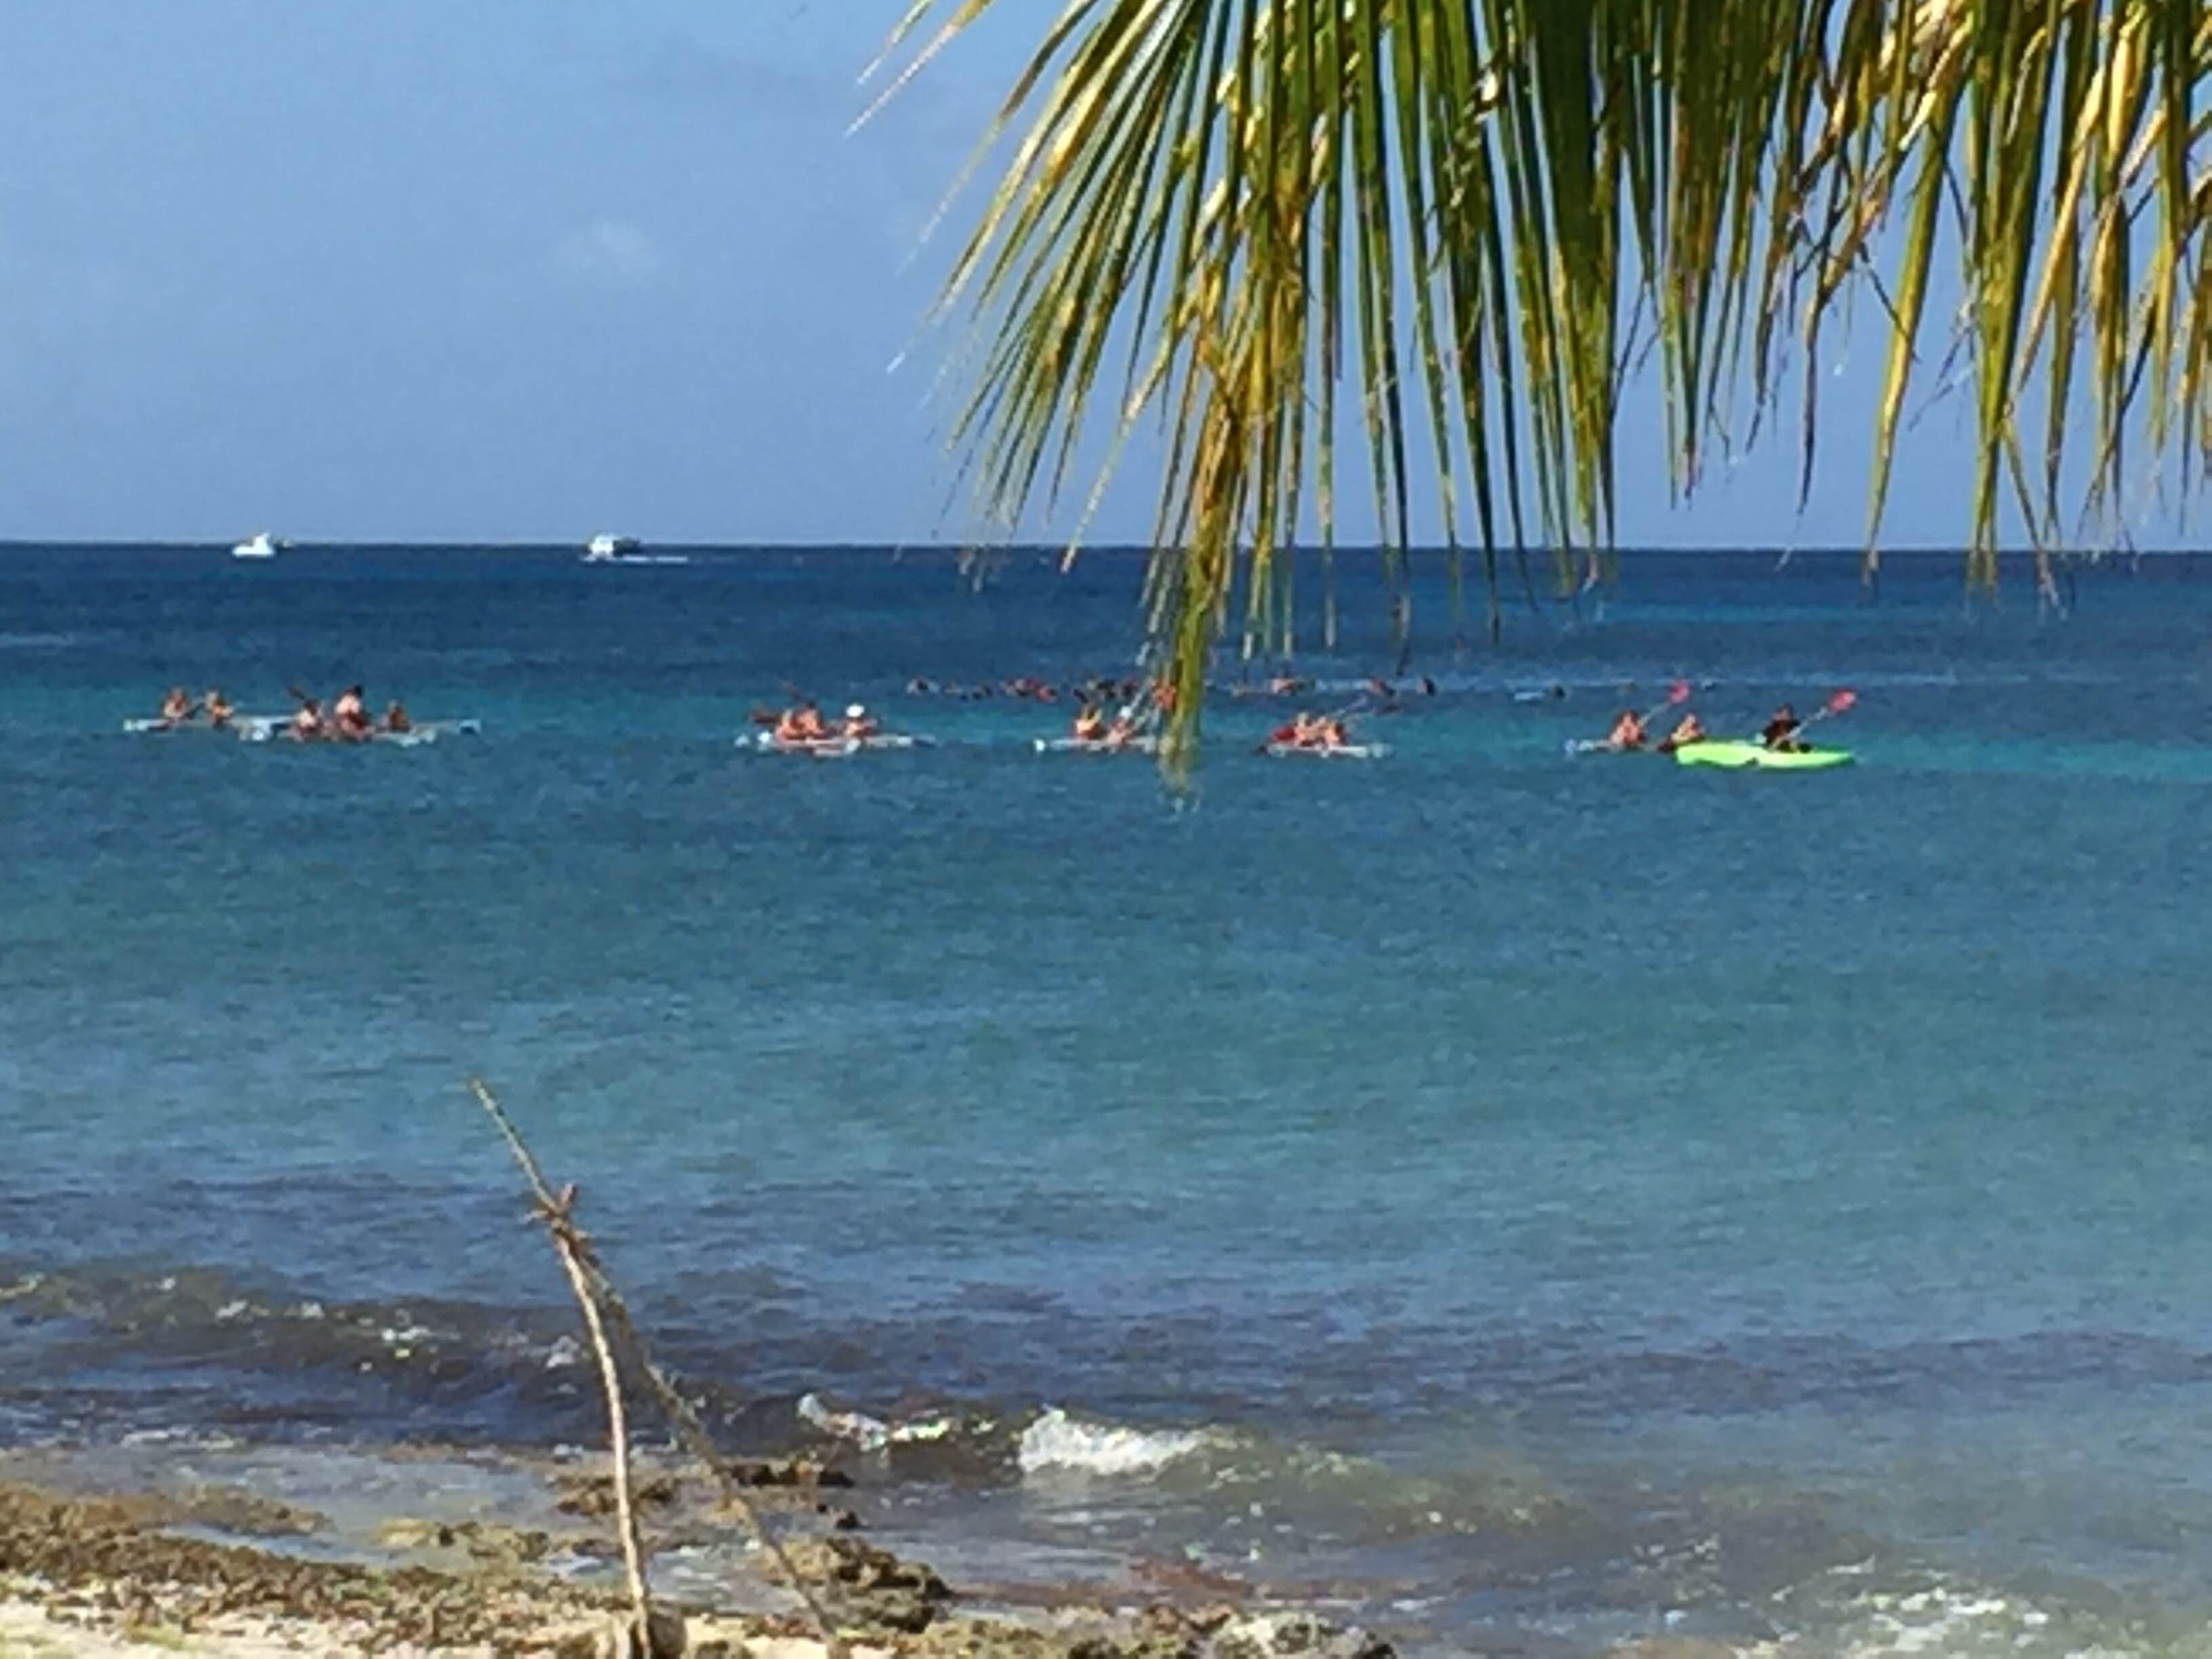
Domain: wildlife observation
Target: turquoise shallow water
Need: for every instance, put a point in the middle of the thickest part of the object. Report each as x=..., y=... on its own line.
x=1578, y=1197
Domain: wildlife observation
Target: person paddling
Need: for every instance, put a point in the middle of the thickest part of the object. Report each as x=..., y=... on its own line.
x=306, y=724
x=1122, y=731
x=1318, y=732
x=858, y=724
x=1090, y=724
x=1687, y=730
x=217, y=708
x=801, y=724
x=1306, y=731
x=395, y=719
x=349, y=715
x=176, y=707
x=1780, y=732
x=1628, y=732
x=1632, y=731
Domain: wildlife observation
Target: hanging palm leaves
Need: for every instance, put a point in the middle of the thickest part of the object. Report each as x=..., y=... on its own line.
x=1473, y=216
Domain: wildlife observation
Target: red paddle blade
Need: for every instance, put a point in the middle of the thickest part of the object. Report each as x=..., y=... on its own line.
x=1679, y=692
x=1842, y=700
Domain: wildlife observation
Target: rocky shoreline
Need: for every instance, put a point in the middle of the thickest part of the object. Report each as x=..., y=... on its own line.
x=222, y=1571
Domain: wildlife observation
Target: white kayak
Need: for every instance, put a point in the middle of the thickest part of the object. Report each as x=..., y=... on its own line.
x=1328, y=751
x=834, y=747
x=414, y=737
x=237, y=726
x=1096, y=746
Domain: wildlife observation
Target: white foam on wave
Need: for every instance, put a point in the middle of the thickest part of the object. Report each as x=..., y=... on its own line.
x=181, y=1435
x=1939, y=1619
x=870, y=1433
x=1057, y=1441
x=1936, y=1621
x=564, y=1353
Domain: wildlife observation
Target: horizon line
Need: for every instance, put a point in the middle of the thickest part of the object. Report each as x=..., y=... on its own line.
x=1056, y=549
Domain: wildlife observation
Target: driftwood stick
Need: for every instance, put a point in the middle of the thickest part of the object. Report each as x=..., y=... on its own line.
x=693, y=1433
x=633, y=1546
x=595, y=1290
x=557, y=1212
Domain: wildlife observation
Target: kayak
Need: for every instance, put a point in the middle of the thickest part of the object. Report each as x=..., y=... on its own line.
x=1600, y=746
x=234, y=727
x=1740, y=754
x=1329, y=751
x=1096, y=746
x=273, y=730
x=835, y=747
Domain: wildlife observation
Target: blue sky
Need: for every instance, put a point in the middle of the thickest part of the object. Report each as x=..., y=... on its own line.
x=522, y=270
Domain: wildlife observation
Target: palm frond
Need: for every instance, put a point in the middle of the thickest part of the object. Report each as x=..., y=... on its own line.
x=1463, y=214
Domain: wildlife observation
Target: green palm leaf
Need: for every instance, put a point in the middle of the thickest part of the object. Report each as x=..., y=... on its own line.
x=1473, y=216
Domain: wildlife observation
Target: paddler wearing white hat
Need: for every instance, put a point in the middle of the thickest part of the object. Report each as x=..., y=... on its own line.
x=857, y=722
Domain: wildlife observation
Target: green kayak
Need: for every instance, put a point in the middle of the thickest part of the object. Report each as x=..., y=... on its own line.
x=1754, y=753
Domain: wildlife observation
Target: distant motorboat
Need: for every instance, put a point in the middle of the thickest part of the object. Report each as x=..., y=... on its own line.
x=261, y=545
x=623, y=550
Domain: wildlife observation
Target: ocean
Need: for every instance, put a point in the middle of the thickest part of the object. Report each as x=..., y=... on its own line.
x=1528, y=1202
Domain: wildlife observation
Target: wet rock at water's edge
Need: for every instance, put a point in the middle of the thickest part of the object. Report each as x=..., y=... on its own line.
x=1278, y=1634
x=870, y=1586
x=809, y=1472
x=486, y=1543
x=593, y=1495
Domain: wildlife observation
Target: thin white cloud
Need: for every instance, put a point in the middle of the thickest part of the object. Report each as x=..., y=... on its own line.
x=610, y=253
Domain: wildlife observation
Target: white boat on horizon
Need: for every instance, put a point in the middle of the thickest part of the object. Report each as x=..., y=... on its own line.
x=260, y=545
x=627, y=550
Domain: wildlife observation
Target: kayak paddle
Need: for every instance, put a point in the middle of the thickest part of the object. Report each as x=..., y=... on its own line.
x=1677, y=694
x=1840, y=703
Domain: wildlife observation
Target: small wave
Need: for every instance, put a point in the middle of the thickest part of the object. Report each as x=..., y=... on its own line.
x=1052, y=1440
x=186, y=1436
x=1057, y=1441
x=870, y=1433
x=565, y=1352
x=143, y=1344
x=1940, y=1617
